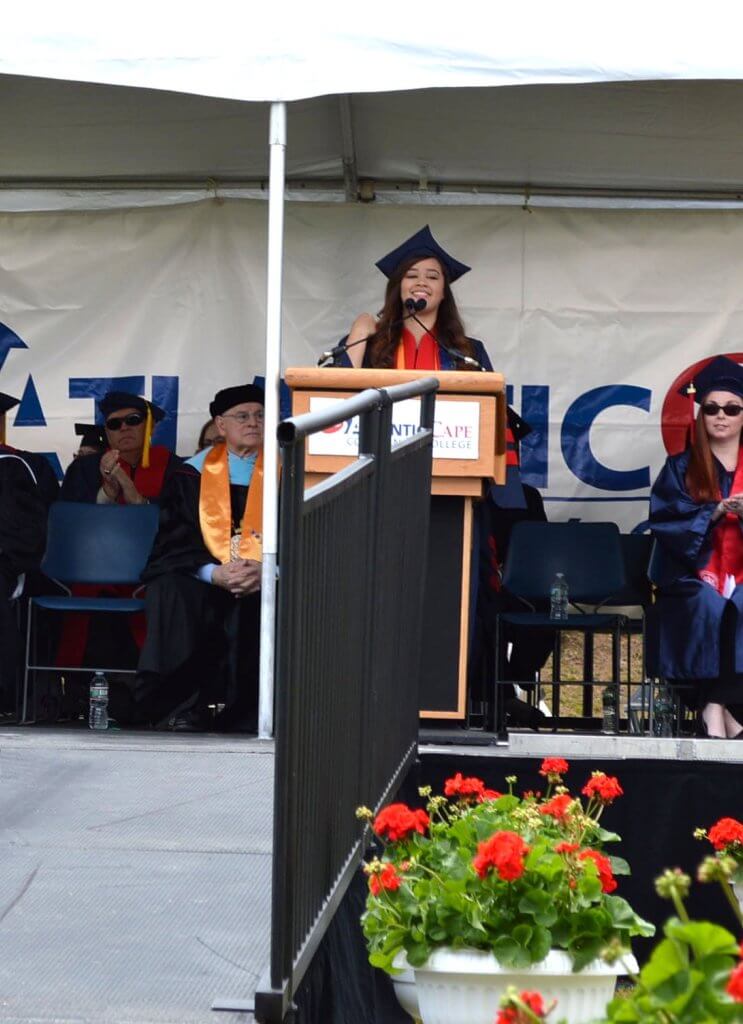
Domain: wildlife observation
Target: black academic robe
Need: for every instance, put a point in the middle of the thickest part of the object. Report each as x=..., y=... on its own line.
x=82, y=481
x=202, y=643
x=22, y=544
x=698, y=634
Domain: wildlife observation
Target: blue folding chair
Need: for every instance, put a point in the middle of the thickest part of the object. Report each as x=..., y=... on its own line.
x=590, y=555
x=94, y=544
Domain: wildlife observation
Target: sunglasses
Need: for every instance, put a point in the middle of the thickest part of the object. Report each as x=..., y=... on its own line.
x=731, y=409
x=132, y=420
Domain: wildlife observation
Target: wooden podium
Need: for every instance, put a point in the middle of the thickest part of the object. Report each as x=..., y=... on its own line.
x=469, y=452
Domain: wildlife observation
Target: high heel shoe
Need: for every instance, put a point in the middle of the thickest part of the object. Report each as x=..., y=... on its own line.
x=702, y=732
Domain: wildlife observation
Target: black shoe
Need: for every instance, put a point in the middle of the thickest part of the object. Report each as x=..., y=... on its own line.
x=702, y=730
x=186, y=721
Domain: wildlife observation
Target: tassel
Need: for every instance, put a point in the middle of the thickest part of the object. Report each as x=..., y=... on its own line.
x=691, y=391
x=147, y=438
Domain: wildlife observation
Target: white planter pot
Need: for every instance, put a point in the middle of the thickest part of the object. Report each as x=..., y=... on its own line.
x=465, y=986
x=405, y=988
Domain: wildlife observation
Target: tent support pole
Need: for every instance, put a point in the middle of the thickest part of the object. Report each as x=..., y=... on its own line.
x=276, y=181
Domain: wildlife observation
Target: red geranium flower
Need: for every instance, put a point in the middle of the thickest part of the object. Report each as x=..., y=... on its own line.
x=512, y=1014
x=558, y=806
x=464, y=788
x=726, y=832
x=606, y=876
x=734, y=987
x=387, y=878
x=489, y=794
x=567, y=848
x=605, y=788
x=398, y=821
x=553, y=768
x=504, y=852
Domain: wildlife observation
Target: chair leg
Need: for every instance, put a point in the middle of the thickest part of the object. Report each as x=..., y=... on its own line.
x=556, y=679
x=499, y=725
x=616, y=667
x=29, y=632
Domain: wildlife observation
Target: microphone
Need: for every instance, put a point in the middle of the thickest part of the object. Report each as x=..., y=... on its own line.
x=415, y=305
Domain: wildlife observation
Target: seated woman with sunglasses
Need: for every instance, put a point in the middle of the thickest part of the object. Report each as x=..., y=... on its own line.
x=696, y=512
x=132, y=471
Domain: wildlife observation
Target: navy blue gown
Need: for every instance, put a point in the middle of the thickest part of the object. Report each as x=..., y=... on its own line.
x=699, y=632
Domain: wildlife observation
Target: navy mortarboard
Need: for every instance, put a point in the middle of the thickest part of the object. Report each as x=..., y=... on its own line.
x=423, y=246
x=7, y=402
x=114, y=401
x=722, y=374
x=91, y=435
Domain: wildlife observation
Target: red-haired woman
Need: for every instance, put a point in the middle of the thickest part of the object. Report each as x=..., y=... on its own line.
x=696, y=511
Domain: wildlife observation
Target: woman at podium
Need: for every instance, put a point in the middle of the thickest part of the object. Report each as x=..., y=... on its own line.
x=419, y=326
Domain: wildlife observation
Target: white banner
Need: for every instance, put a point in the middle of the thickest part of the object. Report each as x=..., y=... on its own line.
x=590, y=314
x=456, y=432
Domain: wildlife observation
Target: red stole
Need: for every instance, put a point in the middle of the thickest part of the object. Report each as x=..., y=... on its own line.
x=726, y=558
x=422, y=355
x=149, y=480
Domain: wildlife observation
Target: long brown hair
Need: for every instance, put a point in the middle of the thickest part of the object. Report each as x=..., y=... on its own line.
x=382, y=346
x=701, y=475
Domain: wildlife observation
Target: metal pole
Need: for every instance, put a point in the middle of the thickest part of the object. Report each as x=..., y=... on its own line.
x=277, y=150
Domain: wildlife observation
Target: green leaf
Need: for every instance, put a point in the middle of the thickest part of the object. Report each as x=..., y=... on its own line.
x=704, y=937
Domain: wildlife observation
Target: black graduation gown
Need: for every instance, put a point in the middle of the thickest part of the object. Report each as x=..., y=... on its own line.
x=698, y=633
x=202, y=643
x=82, y=480
x=22, y=544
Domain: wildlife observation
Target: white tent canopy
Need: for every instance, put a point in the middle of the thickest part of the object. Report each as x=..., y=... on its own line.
x=474, y=101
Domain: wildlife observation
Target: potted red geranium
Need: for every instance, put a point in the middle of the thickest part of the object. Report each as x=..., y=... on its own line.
x=496, y=889
x=726, y=836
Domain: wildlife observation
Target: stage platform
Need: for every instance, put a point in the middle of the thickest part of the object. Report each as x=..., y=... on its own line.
x=136, y=875
x=581, y=746
x=136, y=867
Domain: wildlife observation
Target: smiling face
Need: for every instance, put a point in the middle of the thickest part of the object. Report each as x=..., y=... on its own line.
x=242, y=427
x=127, y=438
x=424, y=280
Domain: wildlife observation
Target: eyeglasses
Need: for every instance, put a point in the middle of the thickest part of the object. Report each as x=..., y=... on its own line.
x=132, y=420
x=243, y=417
x=731, y=409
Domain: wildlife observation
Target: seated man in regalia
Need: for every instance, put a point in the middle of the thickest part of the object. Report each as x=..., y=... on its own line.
x=203, y=580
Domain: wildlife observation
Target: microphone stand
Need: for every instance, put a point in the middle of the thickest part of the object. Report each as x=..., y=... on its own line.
x=328, y=358
x=467, y=360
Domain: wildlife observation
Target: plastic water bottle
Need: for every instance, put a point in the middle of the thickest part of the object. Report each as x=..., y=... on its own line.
x=609, y=710
x=559, y=597
x=663, y=713
x=98, y=714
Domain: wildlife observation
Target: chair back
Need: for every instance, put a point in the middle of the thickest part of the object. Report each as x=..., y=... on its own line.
x=588, y=554
x=98, y=543
x=636, y=552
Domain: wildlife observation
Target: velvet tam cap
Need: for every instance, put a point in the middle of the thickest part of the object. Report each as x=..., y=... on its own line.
x=228, y=398
x=115, y=401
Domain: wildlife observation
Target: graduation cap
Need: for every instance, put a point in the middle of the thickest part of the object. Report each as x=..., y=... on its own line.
x=91, y=435
x=228, y=398
x=511, y=493
x=721, y=374
x=116, y=400
x=7, y=402
x=113, y=401
x=423, y=245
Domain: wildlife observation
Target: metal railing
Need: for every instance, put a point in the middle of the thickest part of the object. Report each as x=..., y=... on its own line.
x=353, y=551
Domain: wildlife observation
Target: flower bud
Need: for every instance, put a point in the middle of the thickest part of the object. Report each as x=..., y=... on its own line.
x=364, y=814
x=673, y=880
